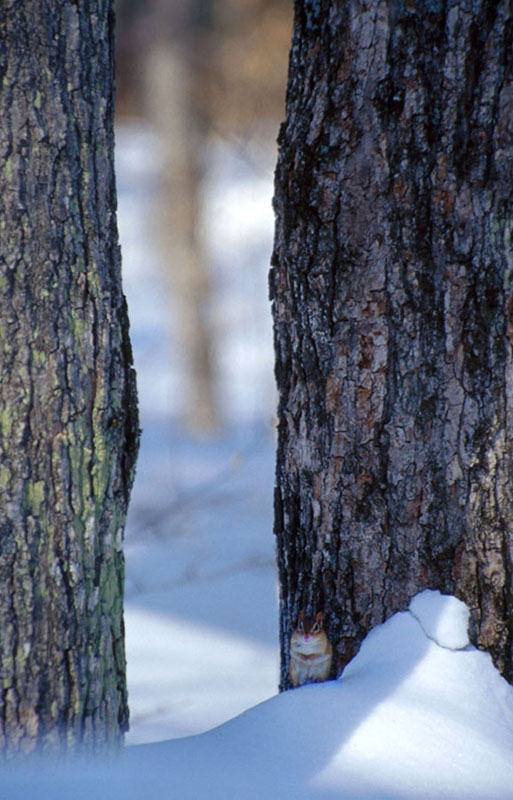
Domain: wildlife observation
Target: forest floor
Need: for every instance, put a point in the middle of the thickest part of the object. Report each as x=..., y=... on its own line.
x=419, y=714
x=201, y=604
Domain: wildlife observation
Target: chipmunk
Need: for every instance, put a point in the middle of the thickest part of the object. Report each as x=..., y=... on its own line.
x=310, y=651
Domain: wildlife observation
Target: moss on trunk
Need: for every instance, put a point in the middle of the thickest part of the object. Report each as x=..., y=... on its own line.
x=68, y=421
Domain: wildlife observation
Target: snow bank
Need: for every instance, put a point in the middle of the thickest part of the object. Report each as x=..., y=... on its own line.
x=411, y=719
x=443, y=619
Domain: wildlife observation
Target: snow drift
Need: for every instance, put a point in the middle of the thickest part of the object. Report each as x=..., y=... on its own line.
x=418, y=714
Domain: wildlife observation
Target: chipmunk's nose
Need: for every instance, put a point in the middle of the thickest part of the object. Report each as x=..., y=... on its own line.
x=307, y=636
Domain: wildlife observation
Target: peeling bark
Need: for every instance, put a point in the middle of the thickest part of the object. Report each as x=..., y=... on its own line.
x=393, y=312
x=68, y=416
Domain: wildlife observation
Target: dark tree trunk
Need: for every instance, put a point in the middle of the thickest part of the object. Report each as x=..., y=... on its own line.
x=68, y=418
x=393, y=308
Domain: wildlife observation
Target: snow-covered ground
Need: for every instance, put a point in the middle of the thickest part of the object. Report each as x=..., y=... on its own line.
x=419, y=714
x=201, y=606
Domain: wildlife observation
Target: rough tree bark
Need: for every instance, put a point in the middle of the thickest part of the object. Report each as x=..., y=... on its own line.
x=393, y=309
x=68, y=417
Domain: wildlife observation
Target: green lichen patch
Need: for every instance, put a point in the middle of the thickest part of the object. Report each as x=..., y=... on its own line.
x=34, y=497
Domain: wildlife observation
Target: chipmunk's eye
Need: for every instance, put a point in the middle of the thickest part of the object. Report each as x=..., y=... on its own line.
x=316, y=628
x=301, y=627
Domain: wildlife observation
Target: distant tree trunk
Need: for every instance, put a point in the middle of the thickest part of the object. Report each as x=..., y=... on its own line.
x=393, y=309
x=68, y=417
x=175, y=79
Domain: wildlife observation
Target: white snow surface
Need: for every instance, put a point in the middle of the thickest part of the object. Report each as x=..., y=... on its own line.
x=419, y=714
x=201, y=612
x=409, y=720
x=443, y=619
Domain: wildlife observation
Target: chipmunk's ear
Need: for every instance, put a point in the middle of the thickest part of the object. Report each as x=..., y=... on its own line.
x=301, y=616
x=318, y=619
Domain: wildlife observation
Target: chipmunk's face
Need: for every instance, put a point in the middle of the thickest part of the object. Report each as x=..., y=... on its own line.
x=309, y=636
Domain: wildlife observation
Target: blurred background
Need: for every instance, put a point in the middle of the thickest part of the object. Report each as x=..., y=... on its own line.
x=200, y=96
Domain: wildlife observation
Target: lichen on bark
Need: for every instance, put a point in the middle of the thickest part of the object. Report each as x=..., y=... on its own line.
x=68, y=421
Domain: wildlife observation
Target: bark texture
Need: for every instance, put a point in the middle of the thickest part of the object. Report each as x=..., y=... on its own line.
x=68, y=418
x=393, y=309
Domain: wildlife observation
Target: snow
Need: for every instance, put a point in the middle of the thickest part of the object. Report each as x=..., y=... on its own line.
x=443, y=619
x=410, y=719
x=189, y=672
x=201, y=597
x=200, y=600
x=419, y=714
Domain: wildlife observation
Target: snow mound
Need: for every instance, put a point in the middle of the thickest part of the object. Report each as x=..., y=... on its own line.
x=408, y=720
x=443, y=618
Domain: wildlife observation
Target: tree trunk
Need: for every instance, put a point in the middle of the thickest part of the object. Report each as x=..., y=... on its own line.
x=175, y=80
x=68, y=417
x=393, y=309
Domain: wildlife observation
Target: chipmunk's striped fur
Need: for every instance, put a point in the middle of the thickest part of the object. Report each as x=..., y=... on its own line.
x=310, y=651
